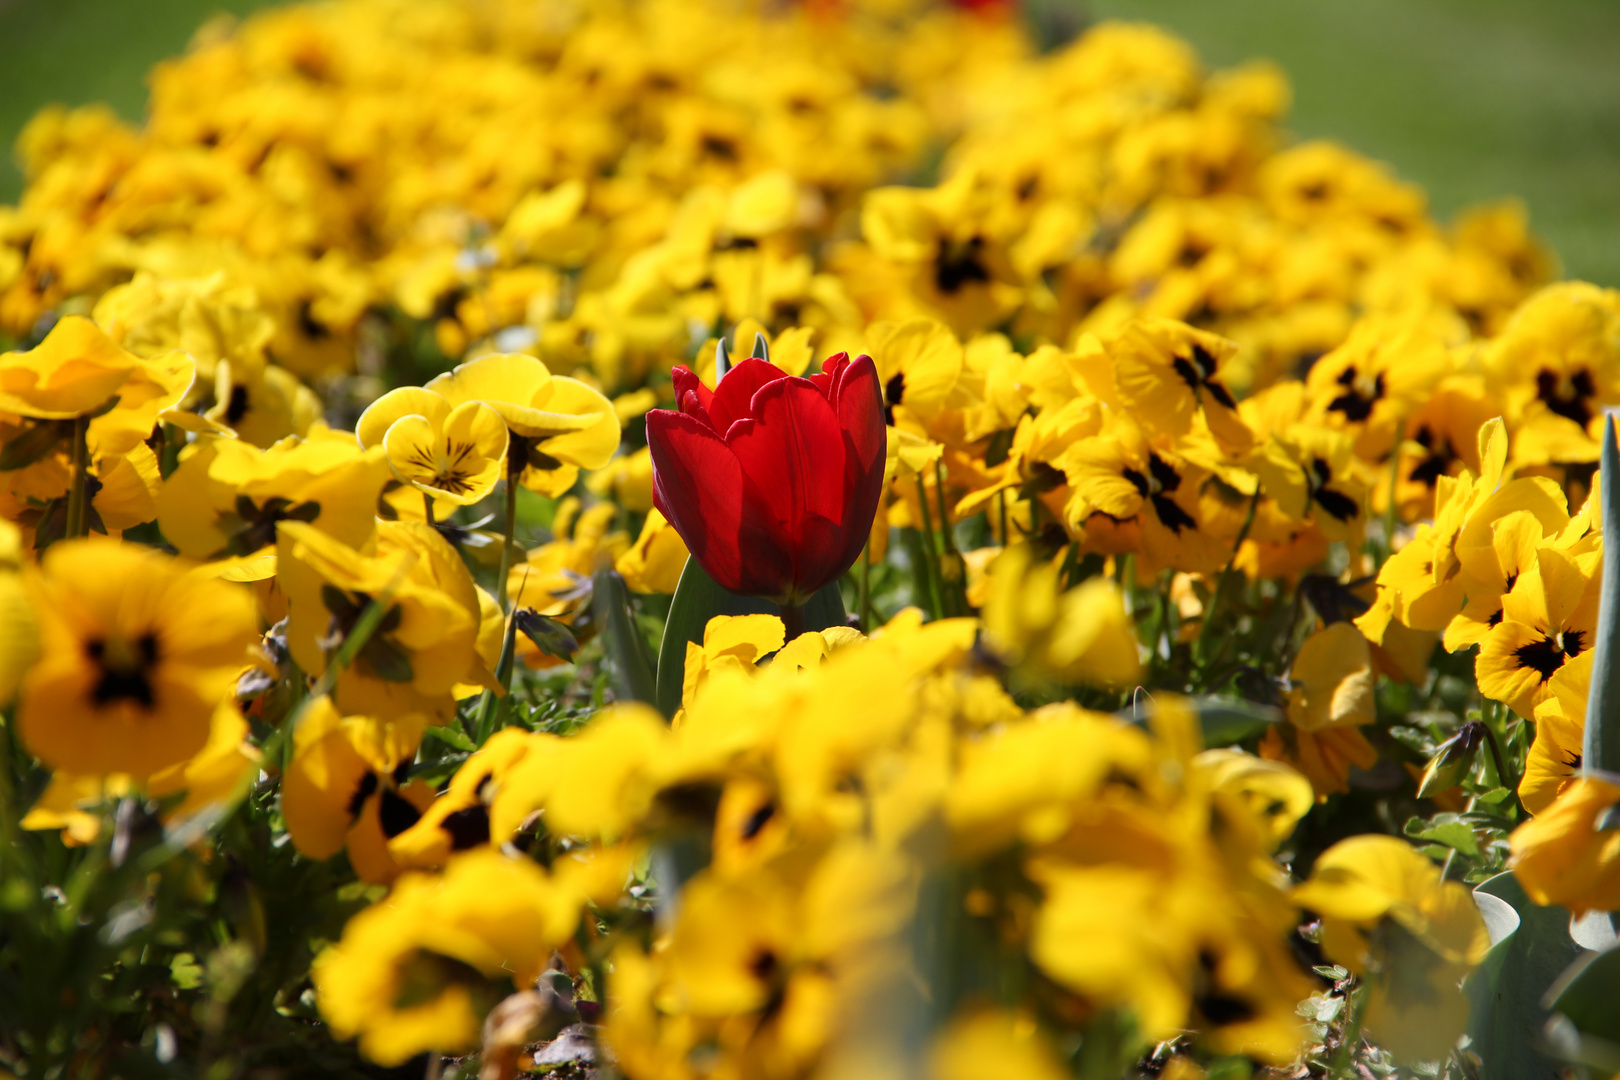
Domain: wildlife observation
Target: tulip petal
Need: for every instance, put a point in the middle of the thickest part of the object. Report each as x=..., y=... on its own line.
x=687, y=382
x=698, y=486
x=827, y=380
x=733, y=399
x=793, y=458
x=794, y=451
x=860, y=413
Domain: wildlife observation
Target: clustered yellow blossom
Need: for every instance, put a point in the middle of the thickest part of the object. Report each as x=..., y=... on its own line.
x=376, y=275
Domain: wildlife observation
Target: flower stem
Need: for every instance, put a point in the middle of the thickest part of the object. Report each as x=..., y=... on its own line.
x=1201, y=650
x=864, y=607
x=79, y=493
x=427, y=508
x=929, y=550
x=792, y=619
x=514, y=469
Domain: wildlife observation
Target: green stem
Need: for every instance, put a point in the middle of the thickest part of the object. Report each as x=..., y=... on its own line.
x=1002, y=496
x=864, y=606
x=947, y=539
x=1201, y=650
x=792, y=619
x=79, y=493
x=514, y=469
x=930, y=550
x=427, y=508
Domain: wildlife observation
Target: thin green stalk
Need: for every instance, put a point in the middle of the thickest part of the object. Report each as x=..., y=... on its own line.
x=1201, y=647
x=1343, y=1064
x=948, y=541
x=514, y=469
x=79, y=493
x=863, y=607
x=1005, y=536
x=931, y=550
x=427, y=508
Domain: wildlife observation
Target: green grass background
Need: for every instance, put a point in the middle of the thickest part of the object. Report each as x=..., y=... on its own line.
x=1474, y=99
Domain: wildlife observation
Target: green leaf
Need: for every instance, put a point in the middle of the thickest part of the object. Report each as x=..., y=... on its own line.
x=762, y=348
x=698, y=598
x=452, y=737
x=1505, y=992
x=1446, y=829
x=1591, y=997
x=1224, y=720
x=633, y=678
x=1587, y=996
x=1601, y=746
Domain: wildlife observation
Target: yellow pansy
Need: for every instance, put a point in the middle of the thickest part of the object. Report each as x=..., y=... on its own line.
x=136, y=654
x=1554, y=760
x=229, y=498
x=453, y=454
x=1387, y=913
x=419, y=971
x=1548, y=617
x=347, y=787
x=1083, y=634
x=653, y=564
x=427, y=641
x=1569, y=854
x=558, y=425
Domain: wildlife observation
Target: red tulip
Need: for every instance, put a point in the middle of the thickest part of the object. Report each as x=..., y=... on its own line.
x=771, y=480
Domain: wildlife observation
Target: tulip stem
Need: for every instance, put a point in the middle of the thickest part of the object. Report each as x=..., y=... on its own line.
x=864, y=607
x=79, y=493
x=792, y=620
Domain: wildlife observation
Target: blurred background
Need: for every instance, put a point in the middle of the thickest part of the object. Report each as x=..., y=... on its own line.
x=1473, y=99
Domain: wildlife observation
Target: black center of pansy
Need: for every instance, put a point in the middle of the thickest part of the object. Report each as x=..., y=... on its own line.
x=237, y=407
x=1438, y=462
x=1570, y=396
x=257, y=527
x=395, y=814
x=758, y=820
x=1546, y=656
x=959, y=264
x=1359, y=397
x=1217, y=1007
x=893, y=391
x=467, y=827
x=379, y=657
x=1336, y=503
x=124, y=669
x=1198, y=372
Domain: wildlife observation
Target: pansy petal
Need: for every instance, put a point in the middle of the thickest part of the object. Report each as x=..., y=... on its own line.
x=405, y=401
